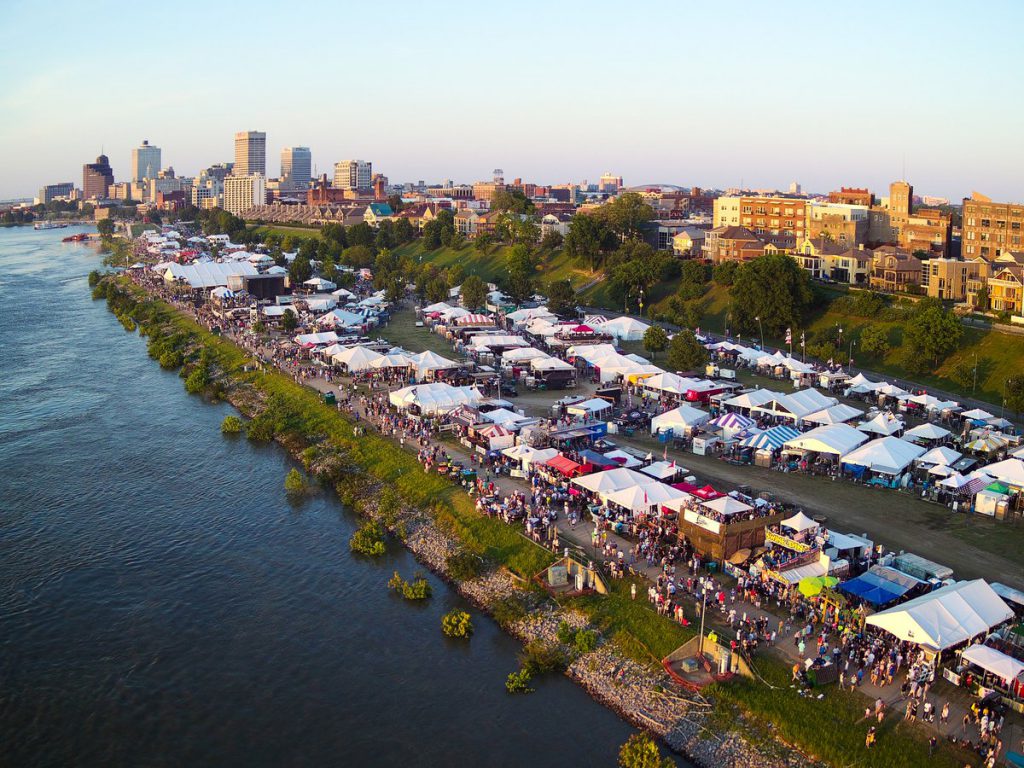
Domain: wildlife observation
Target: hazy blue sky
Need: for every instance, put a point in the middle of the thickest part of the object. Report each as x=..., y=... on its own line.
x=676, y=92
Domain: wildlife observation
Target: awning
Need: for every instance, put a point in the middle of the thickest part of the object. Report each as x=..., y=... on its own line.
x=998, y=663
x=772, y=439
x=565, y=466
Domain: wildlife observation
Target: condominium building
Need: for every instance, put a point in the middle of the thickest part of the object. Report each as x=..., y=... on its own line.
x=51, y=192
x=991, y=229
x=610, y=183
x=244, y=192
x=895, y=269
x=250, y=153
x=852, y=196
x=145, y=162
x=896, y=221
x=353, y=174
x=842, y=223
x=780, y=221
x=296, y=168
x=97, y=178
x=949, y=279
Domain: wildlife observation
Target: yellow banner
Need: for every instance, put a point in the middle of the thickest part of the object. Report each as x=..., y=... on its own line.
x=785, y=541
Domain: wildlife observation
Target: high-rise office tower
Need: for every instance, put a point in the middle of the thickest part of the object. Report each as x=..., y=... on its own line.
x=250, y=153
x=296, y=168
x=97, y=178
x=145, y=162
x=353, y=174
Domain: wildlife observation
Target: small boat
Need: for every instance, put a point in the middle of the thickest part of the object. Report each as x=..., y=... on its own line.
x=81, y=237
x=49, y=225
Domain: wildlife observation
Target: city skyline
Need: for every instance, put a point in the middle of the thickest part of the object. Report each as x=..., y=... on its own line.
x=581, y=93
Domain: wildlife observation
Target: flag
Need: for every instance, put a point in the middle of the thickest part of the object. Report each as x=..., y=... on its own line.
x=789, y=335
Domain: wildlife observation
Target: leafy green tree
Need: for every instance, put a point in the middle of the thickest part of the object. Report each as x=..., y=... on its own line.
x=874, y=340
x=640, y=751
x=637, y=267
x=1015, y=393
x=685, y=353
x=474, y=292
x=773, y=287
x=334, y=233
x=437, y=290
x=455, y=275
x=289, y=321
x=561, y=298
x=513, y=200
x=105, y=227
x=552, y=240
x=405, y=232
x=358, y=256
x=294, y=482
x=627, y=215
x=930, y=334
x=981, y=299
x=589, y=240
x=300, y=271
x=483, y=242
x=522, y=270
x=655, y=340
x=361, y=234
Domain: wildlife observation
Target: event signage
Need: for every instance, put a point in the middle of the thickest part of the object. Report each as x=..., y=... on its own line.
x=785, y=541
x=704, y=522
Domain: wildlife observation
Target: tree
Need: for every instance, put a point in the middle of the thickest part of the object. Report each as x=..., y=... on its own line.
x=964, y=373
x=300, y=271
x=105, y=227
x=640, y=751
x=404, y=231
x=512, y=200
x=289, y=321
x=562, y=298
x=627, y=215
x=334, y=233
x=931, y=333
x=655, y=339
x=589, y=240
x=552, y=240
x=636, y=267
x=981, y=299
x=1015, y=393
x=432, y=235
x=521, y=273
x=773, y=287
x=474, y=292
x=874, y=340
x=685, y=353
x=455, y=275
x=361, y=234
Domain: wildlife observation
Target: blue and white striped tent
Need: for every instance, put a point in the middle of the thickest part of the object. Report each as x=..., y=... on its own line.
x=771, y=438
x=732, y=421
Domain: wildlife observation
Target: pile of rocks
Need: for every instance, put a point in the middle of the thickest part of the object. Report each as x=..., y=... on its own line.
x=543, y=625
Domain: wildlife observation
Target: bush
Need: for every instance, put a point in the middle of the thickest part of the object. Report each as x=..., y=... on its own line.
x=456, y=623
x=171, y=360
x=294, y=482
x=586, y=640
x=518, y=682
x=368, y=540
x=540, y=657
x=231, y=425
x=508, y=610
x=640, y=751
x=464, y=565
x=565, y=633
x=417, y=589
x=94, y=279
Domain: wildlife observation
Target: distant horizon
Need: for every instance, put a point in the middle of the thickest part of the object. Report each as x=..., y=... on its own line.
x=550, y=94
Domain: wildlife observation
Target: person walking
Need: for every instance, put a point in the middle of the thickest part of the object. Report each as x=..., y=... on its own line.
x=869, y=740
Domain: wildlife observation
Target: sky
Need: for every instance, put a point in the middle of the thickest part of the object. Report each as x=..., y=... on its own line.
x=711, y=94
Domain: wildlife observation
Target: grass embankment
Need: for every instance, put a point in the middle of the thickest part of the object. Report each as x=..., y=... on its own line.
x=294, y=414
x=277, y=229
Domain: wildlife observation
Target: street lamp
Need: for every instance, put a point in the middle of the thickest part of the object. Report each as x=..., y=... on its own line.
x=849, y=357
x=761, y=329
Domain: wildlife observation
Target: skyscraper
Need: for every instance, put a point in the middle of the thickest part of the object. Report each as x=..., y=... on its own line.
x=243, y=192
x=353, y=174
x=97, y=178
x=145, y=162
x=296, y=168
x=250, y=153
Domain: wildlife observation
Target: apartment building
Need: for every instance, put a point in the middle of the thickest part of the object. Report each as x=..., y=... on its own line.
x=895, y=269
x=780, y=221
x=353, y=175
x=991, y=229
x=949, y=279
x=244, y=192
x=852, y=196
x=732, y=244
x=845, y=224
x=895, y=221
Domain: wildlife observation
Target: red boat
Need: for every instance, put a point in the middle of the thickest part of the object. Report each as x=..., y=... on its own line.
x=81, y=237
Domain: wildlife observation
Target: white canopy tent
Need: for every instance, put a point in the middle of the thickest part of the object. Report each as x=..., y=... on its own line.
x=977, y=414
x=588, y=407
x=663, y=470
x=832, y=439
x=796, y=405
x=752, y=399
x=427, y=362
x=357, y=358
x=527, y=455
x=392, y=360
x=726, y=506
x=434, y=398
x=316, y=339
x=946, y=617
x=799, y=522
x=943, y=455
x=320, y=284
x=998, y=663
x=1009, y=471
x=888, y=455
x=522, y=355
x=625, y=328
x=611, y=480
x=679, y=419
x=836, y=414
x=926, y=431
x=668, y=383
x=882, y=424
x=640, y=498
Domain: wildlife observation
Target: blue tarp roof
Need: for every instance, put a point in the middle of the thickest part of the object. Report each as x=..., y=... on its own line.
x=595, y=458
x=874, y=588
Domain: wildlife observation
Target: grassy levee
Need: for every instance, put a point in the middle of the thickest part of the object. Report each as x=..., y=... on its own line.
x=828, y=728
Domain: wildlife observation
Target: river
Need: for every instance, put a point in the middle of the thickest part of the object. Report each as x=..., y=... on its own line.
x=162, y=603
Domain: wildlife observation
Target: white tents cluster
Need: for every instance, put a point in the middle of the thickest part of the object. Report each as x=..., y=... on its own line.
x=434, y=398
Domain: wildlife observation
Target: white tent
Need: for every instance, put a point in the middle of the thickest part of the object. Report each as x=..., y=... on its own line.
x=392, y=360
x=343, y=293
x=891, y=390
x=644, y=497
x=320, y=284
x=998, y=663
x=588, y=407
x=625, y=328
x=544, y=364
x=222, y=292
x=428, y=361
x=622, y=458
x=611, y=480
x=888, y=455
x=945, y=617
x=796, y=405
x=837, y=414
x=357, y=358
x=679, y=419
x=438, y=307
x=752, y=399
x=341, y=318
x=727, y=506
x=522, y=355
x=926, y=431
x=1009, y=471
x=277, y=310
x=882, y=424
x=527, y=455
x=799, y=522
x=481, y=341
x=207, y=274
x=832, y=439
x=434, y=398
x=942, y=456
x=591, y=352
x=668, y=383
x=663, y=470
x=321, y=303
x=860, y=384
x=316, y=339
x=977, y=414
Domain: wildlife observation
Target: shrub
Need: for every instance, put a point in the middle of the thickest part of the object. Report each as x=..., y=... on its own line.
x=94, y=278
x=456, y=623
x=565, y=633
x=508, y=610
x=171, y=360
x=417, y=589
x=197, y=381
x=464, y=565
x=518, y=682
x=368, y=540
x=231, y=425
x=294, y=482
x=540, y=657
x=586, y=640
x=640, y=751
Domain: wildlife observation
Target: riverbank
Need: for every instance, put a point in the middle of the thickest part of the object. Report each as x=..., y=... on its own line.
x=443, y=518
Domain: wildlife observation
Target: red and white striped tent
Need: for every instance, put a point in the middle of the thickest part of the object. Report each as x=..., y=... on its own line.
x=474, y=319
